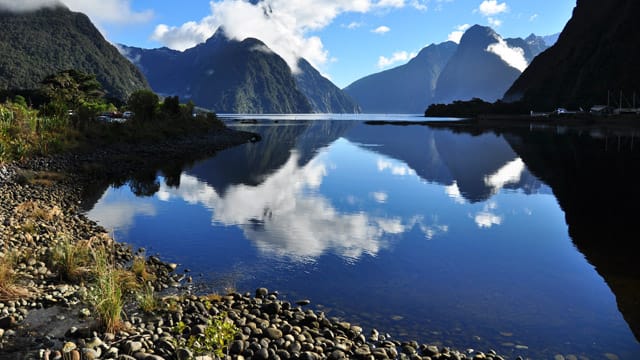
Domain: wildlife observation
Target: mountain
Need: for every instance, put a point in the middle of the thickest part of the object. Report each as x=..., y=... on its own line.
x=224, y=75
x=550, y=40
x=532, y=45
x=596, y=52
x=231, y=76
x=323, y=95
x=475, y=72
x=43, y=42
x=408, y=88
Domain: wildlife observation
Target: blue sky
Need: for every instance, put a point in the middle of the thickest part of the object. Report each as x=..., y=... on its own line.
x=345, y=40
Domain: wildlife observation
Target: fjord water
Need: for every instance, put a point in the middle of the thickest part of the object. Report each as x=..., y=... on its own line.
x=460, y=238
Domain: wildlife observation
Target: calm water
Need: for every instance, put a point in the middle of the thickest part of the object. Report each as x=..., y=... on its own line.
x=424, y=233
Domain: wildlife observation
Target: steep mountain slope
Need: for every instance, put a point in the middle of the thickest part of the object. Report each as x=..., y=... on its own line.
x=323, y=95
x=596, y=52
x=474, y=72
x=239, y=77
x=407, y=88
x=224, y=75
x=40, y=43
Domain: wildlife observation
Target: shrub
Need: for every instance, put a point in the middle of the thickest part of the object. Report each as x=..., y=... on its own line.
x=216, y=338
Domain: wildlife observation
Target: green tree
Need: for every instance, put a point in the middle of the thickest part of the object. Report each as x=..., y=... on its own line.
x=171, y=106
x=72, y=88
x=144, y=104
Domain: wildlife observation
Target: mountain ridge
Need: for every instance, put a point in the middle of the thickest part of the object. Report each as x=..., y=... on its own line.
x=595, y=53
x=233, y=76
x=39, y=43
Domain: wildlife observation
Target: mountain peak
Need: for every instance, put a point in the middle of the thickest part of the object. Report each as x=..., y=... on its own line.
x=479, y=35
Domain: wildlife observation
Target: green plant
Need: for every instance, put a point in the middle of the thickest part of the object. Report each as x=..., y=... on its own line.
x=216, y=338
x=109, y=289
x=71, y=260
x=147, y=299
x=139, y=268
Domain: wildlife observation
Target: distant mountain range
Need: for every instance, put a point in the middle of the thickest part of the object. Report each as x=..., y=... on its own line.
x=40, y=43
x=231, y=76
x=483, y=65
x=403, y=89
x=597, y=52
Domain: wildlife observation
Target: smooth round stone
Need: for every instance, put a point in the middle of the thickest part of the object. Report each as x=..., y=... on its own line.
x=261, y=292
x=274, y=333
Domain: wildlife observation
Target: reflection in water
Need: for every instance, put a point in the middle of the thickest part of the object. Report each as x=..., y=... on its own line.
x=284, y=217
x=341, y=212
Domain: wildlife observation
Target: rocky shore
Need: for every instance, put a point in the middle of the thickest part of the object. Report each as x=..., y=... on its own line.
x=47, y=317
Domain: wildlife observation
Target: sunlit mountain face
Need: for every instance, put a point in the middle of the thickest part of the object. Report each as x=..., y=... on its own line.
x=425, y=233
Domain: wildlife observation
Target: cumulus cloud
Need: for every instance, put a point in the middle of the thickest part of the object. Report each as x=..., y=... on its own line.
x=492, y=7
x=487, y=217
x=284, y=25
x=380, y=197
x=27, y=5
x=353, y=25
x=119, y=213
x=397, y=169
x=100, y=11
x=494, y=22
x=381, y=30
x=514, y=56
x=398, y=56
x=456, y=35
x=453, y=191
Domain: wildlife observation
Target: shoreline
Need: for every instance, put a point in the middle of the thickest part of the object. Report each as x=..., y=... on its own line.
x=55, y=320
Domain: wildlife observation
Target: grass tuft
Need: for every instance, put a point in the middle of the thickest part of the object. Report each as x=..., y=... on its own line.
x=9, y=288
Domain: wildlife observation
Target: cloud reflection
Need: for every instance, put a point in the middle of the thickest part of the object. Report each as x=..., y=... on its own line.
x=285, y=217
x=487, y=218
x=119, y=214
x=509, y=173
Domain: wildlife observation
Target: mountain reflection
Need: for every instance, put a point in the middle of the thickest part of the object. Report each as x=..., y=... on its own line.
x=284, y=216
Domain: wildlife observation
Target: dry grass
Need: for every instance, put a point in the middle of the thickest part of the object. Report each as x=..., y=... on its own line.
x=139, y=268
x=72, y=260
x=36, y=211
x=9, y=289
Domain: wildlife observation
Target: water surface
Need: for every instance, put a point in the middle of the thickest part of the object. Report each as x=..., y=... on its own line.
x=424, y=233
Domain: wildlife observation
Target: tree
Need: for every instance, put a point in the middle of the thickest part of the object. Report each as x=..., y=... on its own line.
x=171, y=106
x=72, y=88
x=144, y=104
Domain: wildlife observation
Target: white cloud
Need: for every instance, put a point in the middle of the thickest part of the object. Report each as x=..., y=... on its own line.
x=395, y=169
x=456, y=35
x=492, y=7
x=494, y=22
x=390, y=3
x=398, y=56
x=514, y=56
x=419, y=5
x=100, y=11
x=381, y=30
x=533, y=17
x=487, y=218
x=453, y=191
x=353, y=25
x=26, y=5
x=283, y=25
x=510, y=173
x=380, y=196
x=119, y=213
